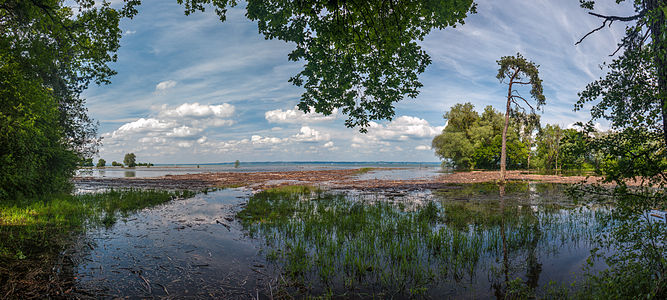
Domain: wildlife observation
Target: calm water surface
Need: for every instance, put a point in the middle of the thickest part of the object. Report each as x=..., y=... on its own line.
x=411, y=170
x=219, y=245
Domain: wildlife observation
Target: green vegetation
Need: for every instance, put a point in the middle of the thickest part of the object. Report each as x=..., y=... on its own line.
x=130, y=160
x=34, y=232
x=472, y=141
x=376, y=42
x=116, y=164
x=27, y=222
x=237, y=163
x=49, y=54
x=633, y=97
x=101, y=163
x=364, y=170
x=349, y=245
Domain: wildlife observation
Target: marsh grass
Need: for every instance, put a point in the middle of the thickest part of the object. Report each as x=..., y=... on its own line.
x=335, y=244
x=34, y=232
x=361, y=171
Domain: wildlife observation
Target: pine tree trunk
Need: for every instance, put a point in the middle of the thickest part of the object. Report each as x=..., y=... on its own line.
x=503, y=148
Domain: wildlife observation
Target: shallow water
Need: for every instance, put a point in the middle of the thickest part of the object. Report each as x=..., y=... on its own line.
x=163, y=170
x=201, y=247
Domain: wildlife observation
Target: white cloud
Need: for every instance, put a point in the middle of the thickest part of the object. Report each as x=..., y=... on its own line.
x=307, y=134
x=296, y=116
x=165, y=85
x=403, y=128
x=328, y=144
x=196, y=110
x=141, y=125
x=130, y=32
x=423, y=147
x=171, y=127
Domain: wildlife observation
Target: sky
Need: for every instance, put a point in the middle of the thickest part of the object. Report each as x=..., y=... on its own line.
x=192, y=89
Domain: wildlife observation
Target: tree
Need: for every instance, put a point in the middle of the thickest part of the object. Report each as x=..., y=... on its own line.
x=633, y=97
x=237, y=163
x=548, y=146
x=638, y=78
x=116, y=164
x=101, y=163
x=360, y=56
x=49, y=54
x=575, y=150
x=130, y=160
x=454, y=142
x=473, y=141
x=515, y=69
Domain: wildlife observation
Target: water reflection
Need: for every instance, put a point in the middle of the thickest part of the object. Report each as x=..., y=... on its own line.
x=468, y=241
x=130, y=174
x=463, y=241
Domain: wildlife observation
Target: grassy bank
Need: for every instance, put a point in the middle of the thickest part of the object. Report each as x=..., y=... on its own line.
x=34, y=233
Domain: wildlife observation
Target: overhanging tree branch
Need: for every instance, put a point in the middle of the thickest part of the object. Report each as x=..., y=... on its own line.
x=611, y=20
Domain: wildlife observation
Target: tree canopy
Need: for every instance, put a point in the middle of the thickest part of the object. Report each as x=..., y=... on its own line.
x=471, y=140
x=360, y=56
x=50, y=51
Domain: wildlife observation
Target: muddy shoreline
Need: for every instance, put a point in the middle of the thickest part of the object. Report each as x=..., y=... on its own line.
x=333, y=179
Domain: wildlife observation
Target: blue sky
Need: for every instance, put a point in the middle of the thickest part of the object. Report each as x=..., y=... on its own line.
x=191, y=89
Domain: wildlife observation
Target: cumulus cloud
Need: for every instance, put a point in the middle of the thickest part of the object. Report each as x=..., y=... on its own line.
x=196, y=110
x=165, y=85
x=296, y=116
x=307, y=134
x=423, y=147
x=180, y=126
x=403, y=128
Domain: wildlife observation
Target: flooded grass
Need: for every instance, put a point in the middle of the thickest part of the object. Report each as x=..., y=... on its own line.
x=340, y=245
x=33, y=232
x=461, y=241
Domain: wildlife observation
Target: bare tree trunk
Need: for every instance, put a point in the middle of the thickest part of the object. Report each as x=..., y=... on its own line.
x=503, y=148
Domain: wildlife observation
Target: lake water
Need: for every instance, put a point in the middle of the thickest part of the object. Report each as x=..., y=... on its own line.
x=462, y=241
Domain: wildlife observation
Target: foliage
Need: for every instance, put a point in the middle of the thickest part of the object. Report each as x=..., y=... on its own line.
x=101, y=163
x=237, y=163
x=130, y=160
x=471, y=140
x=575, y=150
x=116, y=164
x=360, y=56
x=633, y=97
x=86, y=162
x=548, y=146
x=516, y=70
x=34, y=159
x=49, y=54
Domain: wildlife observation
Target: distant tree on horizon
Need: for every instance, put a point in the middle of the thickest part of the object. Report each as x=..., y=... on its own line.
x=101, y=163
x=130, y=160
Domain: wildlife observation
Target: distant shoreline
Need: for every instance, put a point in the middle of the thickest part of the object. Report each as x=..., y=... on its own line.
x=334, y=179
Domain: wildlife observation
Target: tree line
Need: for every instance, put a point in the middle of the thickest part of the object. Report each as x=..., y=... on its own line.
x=471, y=140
